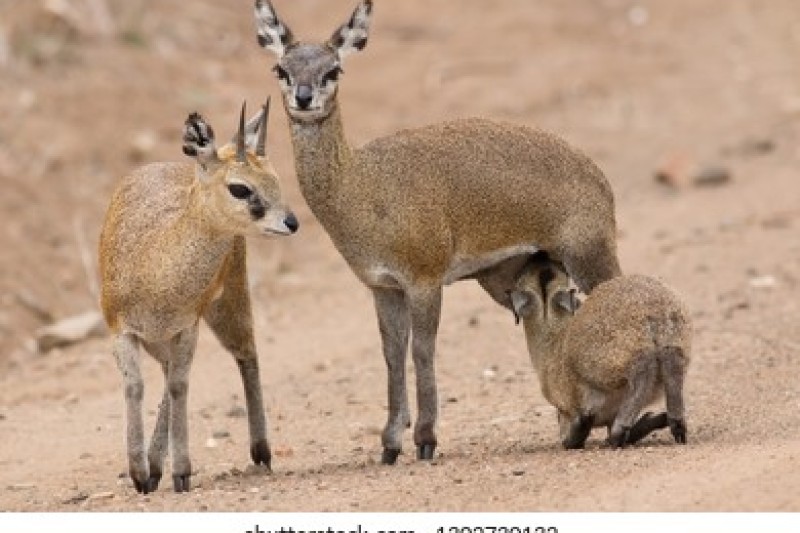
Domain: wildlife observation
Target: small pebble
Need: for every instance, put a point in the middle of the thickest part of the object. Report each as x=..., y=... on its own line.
x=211, y=443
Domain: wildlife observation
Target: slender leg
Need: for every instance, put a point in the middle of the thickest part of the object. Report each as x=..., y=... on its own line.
x=425, y=307
x=591, y=262
x=646, y=424
x=579, y=429
x=673, y=369
x=640, y=389
x=126, y=352
x=183, y=346
x=230, y=318
x=394, y=325
x=160, y=439
x=256, y=419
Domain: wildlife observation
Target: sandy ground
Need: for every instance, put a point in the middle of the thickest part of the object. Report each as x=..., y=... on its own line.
x=87, y=95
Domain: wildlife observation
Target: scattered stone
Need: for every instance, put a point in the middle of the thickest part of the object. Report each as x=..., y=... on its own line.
x=711, y=176
x=674, y=171
x=473, y=322
x=106, y=495
x=518, y=473
x=489, y=373
x=237, y=411
x=211, y=443
x=322, y=366
x=70, y=331
x=21, y=486
x=85, y=455
x=763, y=282
x=253, y=490
x=751, y=147
x=221, y=434
x=452, y=399
x=78, y=498
x=283, y=451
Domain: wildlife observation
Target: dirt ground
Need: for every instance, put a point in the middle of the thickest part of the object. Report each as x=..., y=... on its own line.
x=92, y=88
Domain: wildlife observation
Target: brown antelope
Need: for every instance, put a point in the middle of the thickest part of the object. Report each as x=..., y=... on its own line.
x=422, y=208
x=172, y=250
x=601, y=362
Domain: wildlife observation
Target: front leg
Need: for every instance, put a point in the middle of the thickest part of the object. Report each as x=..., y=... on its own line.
x=126, y=352
x=183, y=346
x=230, y=318
x=426, y=307
x=394, y=325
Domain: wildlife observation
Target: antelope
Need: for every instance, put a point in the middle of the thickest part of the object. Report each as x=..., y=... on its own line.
x=422, y=208
x=600, y=362
x=172, y=250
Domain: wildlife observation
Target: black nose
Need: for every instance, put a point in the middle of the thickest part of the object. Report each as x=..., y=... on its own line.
x=303, y=96
x=291, y=222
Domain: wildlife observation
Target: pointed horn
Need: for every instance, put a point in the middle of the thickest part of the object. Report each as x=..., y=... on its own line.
x=241, y=152
x=261, y=144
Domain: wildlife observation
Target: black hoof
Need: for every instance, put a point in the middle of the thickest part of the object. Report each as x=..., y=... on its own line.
x=181, y=482
x=261, y=455
x=678, y=429
x=152, y=483
x=425, y=452
x=389, y=456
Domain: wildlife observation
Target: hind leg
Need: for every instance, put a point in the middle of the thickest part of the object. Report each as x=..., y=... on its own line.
x=673, y=367
x=126, y=352
x=591, y=262
x=641, y=382
x=157, y=451
x=646, y=424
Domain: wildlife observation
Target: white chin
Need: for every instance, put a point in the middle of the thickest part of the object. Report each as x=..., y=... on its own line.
x=307, y=115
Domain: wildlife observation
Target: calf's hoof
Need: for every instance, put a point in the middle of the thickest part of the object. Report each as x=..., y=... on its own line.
x=678, y=429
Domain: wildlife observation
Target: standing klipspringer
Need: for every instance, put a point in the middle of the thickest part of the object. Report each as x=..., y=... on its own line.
x=422, y=208
x=172, y=250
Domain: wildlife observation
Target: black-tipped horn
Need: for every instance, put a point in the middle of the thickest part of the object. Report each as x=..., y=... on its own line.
x=261, y=144
x=241, y=151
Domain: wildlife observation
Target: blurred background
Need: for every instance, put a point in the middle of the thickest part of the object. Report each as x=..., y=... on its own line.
x=691, y=107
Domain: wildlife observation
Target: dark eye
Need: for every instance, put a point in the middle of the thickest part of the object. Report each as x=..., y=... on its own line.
x=332, y=75
x=242, y=192
x=281, y=73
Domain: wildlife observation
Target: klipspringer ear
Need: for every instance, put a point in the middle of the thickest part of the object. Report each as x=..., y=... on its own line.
x=273, y=34
x=198, y=140
x=566, y=301
x=352, y=36
x=522, y=303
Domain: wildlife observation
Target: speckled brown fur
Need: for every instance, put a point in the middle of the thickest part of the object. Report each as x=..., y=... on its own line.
x=621, y=350
x=172, y=249
x=422, y=208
